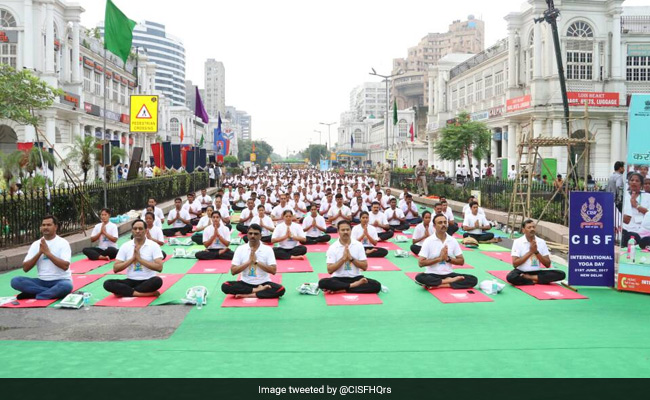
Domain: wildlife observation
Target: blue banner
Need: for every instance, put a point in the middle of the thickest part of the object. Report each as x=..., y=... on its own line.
x=168, y=155
x=177, y=161
x=591, y=239
x=324, y=166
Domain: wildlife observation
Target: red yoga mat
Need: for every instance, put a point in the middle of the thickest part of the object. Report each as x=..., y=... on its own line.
x=543, y=292
x=350, y=299
x=211, y=267
x=78, y=282
x=84, y=266
x=231, y=302
x=452, y=296
x=137, y=302
x=501, y=256
x=388, y=246
x=318, y=248
x=293, y=266
x=381, y=264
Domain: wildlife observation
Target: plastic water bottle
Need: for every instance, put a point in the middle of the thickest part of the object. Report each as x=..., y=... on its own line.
x=631, y=249
x=199, y=300
x=495, y=287
x=87, y=301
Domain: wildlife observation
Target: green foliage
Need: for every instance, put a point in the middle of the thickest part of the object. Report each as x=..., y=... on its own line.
x=82, y=151
x=21, y=94
x=464, y=139
x=32, y=159
x=315, y=153
x=229, y=160
x=11, y=165
x=406, y=171
x=262, y=149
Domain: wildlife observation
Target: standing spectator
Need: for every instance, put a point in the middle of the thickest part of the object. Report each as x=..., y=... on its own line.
x=421, y=174
x=615, y=184
x=212, y=175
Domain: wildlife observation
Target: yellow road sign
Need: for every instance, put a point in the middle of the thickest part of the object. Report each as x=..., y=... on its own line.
x=144, y=114
x=253, y=157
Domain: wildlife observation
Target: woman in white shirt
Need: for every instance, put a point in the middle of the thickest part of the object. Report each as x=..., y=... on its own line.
x=635, y=206
x=290, y=236
x=315, y=227
x=422, y=232
x=216, y=239
x=367, y=235
x=154, y=233
x=204, y=222
x=106, y=235
x=265, y=222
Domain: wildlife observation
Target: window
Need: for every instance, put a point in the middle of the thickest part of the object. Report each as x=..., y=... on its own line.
x=461, y=97
x=454, y=99
x=470, y=93
x=580, y=51
x=638, y=69
x=98, y=83
x=488, y=86
x=479, y=91
x=116, y=89
x=123, y=94
x=498, y=84
x=403, y=129
x=87, y=80
x=8, y=51
x=530, y=63
x=175, y=128
x=580, y=29
x=358, y=136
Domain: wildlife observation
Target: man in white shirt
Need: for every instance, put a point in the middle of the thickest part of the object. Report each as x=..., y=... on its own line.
x=148, y=171
x=475, y=225
x=223, y=210
x=528, y=252
x=211, y=175
x=467, y=209
x=357, y=208
x=278, y=211
x=179, y=219
x=366, y=234
x=410, y=211
x=290, y=236
x=315, y=227
x=204, y=199
x=326, y=204
x=51, y=257
x=438, y=255
x=216, y=239
x=255, y=262
x=298, y=207
x=264, y=222
x=246, y=216
x=268, y=208
x=396, y=218
x=143, y=260
x=193, y=207
x=338, y=213
x=446, y=211
x=160, y=216
x=422, y=232
x=238, y=199
x=379, y=221
x=204, y=222
x=512, y=174
x=346, y=261
x=105, y=234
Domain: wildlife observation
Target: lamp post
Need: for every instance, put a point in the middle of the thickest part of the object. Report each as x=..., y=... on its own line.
x=387, y=79
x=329, y=133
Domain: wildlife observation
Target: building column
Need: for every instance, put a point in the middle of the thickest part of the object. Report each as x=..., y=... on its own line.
x=596, y=61
x=616, y=45
x=537, y=49
x=494, y=151
x=504, y=142
x=512, y=59
x=513, y=136
x=615, y=149
x=29, y=46
x=50, y=127
x=76, y=65
x=49, y=38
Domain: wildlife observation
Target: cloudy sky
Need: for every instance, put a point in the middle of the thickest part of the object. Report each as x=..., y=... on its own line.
x=291, y=64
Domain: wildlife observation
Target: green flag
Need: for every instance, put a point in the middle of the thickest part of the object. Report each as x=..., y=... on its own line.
x=202, y=139
x=395, y=119
x=118, y=32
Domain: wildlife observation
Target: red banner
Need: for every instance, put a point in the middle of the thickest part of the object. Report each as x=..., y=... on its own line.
x=594, y=99
x=634, y=283
x=158, y=155
x=184, y=150
x=24, y=146
x=518, y=104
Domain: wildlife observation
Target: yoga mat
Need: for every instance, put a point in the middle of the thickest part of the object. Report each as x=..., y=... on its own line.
x=350, y=299
x=452, y=296
x=230, y=301
x=78, y=282
x=543, y=292
x=211, y=267
x=318, y=248
x=293, y=266
x=492, y=248
x=123, y=272
x=388, y=246
x=381, y=264
x=137, y=302
x=86, y=265
x=505, y=257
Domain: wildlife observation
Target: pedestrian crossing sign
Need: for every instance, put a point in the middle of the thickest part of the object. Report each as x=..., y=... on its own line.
x=144, y=114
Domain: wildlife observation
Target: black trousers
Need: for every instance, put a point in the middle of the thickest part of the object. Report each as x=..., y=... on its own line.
x=320, y=239
x=171, y=232
x=414, y=221
x=236, y=208
x=545, y=277
x=452, y=229
x=416, y=249
x=384, y=236
x=484, y=237
x=379, y=253
x=404, y=226
x=331, y=229
x=195, y=221
x=239, y=287
x=265, y=239
x=339, y=284
x=641, y=242
x=198, y=238
x=93, y=253
x=126, y=287
x=433, y=280
x=213, y=254
x=242, y=228
x=284, y=254
x=213, y=182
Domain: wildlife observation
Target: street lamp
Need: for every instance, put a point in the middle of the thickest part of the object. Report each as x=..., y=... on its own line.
x=329, y=133
x=319, y=137
x=387, y=79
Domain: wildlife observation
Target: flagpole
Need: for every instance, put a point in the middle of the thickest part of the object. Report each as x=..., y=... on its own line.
x=104, y=132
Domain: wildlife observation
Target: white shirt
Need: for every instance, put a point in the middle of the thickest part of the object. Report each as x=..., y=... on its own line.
x=183, y=214
x=470, y=220
x=267, y=222
x=335, y=210
x=223, y=211
x=148, y=172
x=47, y=271
x=313, y=232
x=431, y=249
x=348, y=270
x=204, y=200
x=224, y=232
x=409, y=212
x=637, y=218
x=204, y=222
x=281, y=231
x=418, y=232
x=325, y=207
x=390, y=213
x=279, y=210
x=357, y=231
x=245, y=214
x=103, y=242
x=149, y=251
x=468, y=210
x=449, y=214
x=253, y=275
x=195, y=207
x=380, y=217
x=157, y=233
x=512, y=175
x=521, y=246
x=211, y=173
x=301, y=206
x=157, y=212
x=356, y=213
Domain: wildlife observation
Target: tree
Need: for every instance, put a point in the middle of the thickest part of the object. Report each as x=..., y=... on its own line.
x=33, y=162
x=315, y=153
x=263, y=151
x=82, y=150
x=465, y=138
x=117, y=154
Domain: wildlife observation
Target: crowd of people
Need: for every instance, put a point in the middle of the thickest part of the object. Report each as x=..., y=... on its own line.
x=279, y=215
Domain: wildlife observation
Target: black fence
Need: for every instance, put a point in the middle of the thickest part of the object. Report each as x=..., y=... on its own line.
x=77, y=208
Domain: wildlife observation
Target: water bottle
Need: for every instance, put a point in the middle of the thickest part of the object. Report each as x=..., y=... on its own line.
x=86, y=301
x=495, y=287
x=631, y=249
x=199, y=299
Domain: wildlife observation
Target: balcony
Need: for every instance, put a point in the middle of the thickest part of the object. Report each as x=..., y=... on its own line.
x=410, y=84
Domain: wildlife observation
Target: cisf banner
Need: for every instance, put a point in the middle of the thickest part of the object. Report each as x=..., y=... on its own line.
x=591, y=239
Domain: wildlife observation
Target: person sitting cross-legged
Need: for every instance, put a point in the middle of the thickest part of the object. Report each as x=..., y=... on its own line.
x=476, y=226
x=396, y=218
x=379, y=221
x=410, y=211
x=346, y=260
x=216, y=239
x=143, y=260
x=154, y=233
x=337, y=213
x=439, y=253
x=422, y=232
x=314, y=226
x=179, y=219
x=246, y=216
x=204, y=222
x=255, y=262
x=290, y=236
x=105, y=235
x=528, y=252
x=51, y=256
x=366, y=234
x=265, y=222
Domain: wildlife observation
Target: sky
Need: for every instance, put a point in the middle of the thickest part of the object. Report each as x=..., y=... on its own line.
x=292, y=64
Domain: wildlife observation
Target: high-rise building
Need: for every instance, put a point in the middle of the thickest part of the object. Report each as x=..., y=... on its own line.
x=190, y=95
x=245, y=124
x=239, y=122
x=412, y=88
x=215, y=87
x=368, y=100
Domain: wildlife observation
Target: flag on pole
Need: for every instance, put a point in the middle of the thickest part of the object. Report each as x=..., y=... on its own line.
x=202, y=139
x=118, y=31
x=395, y=118
x=412, y=132
x=199, y=110
x=182, y=133
x=352, y=140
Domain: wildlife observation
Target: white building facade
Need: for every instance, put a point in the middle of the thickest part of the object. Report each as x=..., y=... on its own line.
x=215, y=88
x=514, y=85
